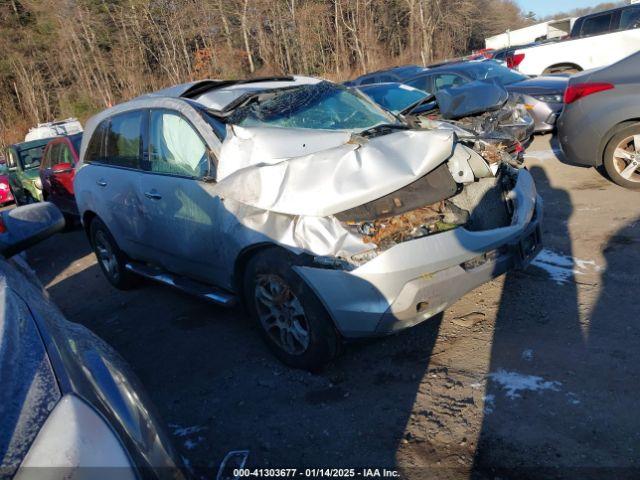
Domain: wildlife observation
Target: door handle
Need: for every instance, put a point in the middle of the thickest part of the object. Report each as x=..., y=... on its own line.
x=101, y=183
x=153, y=195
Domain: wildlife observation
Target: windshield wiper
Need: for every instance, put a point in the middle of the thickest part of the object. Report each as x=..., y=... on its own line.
x=383, y=129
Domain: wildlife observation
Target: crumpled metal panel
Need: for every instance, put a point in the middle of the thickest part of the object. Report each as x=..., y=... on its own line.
x=341, y=171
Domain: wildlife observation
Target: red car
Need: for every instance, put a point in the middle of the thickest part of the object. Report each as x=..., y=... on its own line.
x=57, y=169
x=5, y=190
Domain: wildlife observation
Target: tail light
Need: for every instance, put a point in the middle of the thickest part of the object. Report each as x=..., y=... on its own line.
x=581, y=90
x=518, y=147
x=514, y=60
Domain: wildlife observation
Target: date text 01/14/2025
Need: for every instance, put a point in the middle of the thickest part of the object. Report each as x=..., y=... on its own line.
x=316, y=472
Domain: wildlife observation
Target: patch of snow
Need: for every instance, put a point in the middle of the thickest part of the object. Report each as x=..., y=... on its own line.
x=527, y=355
x=542, y=155
x=514, y=383
x=562, y=268
x=476, y=385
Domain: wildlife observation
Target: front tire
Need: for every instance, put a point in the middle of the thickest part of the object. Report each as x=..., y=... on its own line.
x=293, y=322
x=111, y=259
x=622, y=156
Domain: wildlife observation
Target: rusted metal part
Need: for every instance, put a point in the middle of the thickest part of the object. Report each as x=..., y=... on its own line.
x=417, y=223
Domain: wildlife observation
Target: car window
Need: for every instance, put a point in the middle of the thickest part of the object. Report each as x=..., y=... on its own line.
x=11, y=159
x=64, y=154
x=95, y=149
x=124, y=139
x=447, y=80
x=46, y=159
x=596, y=25
x=175, y=147
x=324, y=106
x=30, y=157
x=76, y=141
x=422, y=83
x=630, y=18
x=51, y=155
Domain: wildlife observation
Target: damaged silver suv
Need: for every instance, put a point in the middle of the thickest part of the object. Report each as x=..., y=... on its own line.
x=327, y=216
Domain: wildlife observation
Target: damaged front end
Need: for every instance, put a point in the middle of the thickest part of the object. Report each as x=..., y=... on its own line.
x=376, y=212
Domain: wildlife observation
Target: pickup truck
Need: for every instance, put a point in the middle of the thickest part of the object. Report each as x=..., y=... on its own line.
x=596, y=40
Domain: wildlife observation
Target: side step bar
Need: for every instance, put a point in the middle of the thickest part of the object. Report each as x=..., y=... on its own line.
x=207, y=292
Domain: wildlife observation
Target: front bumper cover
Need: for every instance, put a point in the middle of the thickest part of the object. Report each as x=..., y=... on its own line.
x=418, y=279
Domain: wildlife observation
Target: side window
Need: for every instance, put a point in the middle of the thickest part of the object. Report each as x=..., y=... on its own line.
x=46, y=159
x=51, y=157
x=11, y=159
x=422, y=83
x=124, y=143
x=596, y=25
x=64, y=154
x=95, y=149
x=447, y=80
x=175, y=147
x=630, y=18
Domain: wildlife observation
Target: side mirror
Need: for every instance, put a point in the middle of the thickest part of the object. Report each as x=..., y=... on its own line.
x=23, y=227
x=62, y=168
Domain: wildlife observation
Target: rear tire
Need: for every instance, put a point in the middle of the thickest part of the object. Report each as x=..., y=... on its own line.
x=622, y=154
x=293, y=322
x=111, y=259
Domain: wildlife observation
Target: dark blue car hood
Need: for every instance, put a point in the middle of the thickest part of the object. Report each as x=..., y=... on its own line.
x=29, y=387
x=471, y=98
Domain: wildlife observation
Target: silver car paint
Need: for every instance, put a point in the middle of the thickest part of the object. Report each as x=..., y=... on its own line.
x=199, y=229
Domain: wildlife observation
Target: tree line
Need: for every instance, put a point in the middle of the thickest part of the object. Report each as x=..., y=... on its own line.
x=75, y=57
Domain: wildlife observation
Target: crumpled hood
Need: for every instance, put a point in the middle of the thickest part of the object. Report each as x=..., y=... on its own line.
x=321, y=173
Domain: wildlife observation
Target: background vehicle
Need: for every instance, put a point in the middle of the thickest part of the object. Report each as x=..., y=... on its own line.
x=57, y=171
x=484, y=117
x=550, y=30
x=396, y=74
x=23, y=162
x=42, y=131
x=542, y=96
x=5, y=188
x=600, y=125
x=596, y=40
x=305, y=200
x=69, y=403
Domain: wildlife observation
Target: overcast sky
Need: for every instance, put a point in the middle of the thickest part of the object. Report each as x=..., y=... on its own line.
x=548, y=7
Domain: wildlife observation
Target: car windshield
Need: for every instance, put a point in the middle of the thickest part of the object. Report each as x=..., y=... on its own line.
x=493, y=70
x=31, y=157
x=323, y=106
x=395, y=97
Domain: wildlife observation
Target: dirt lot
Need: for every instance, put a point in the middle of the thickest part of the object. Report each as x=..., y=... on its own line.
x=532, y=375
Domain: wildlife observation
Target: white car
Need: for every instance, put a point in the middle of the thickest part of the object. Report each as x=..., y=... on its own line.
x=326, y=215
x=596, y=40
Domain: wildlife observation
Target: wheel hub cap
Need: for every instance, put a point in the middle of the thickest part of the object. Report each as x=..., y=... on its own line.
x=281, y=314
x=626, y=158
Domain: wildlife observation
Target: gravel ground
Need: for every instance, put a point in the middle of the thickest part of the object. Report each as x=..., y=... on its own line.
x=533, y=375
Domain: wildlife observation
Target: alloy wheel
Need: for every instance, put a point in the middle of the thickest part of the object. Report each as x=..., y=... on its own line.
x=106, y=255
x=626, y=158
x=281, y=314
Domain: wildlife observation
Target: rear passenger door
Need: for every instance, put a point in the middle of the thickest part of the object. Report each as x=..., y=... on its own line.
x=180, y=214
x=111, y=179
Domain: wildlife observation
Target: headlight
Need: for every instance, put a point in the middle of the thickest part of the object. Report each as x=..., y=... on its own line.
x=38, y=183
x=4, y=187
x=75, y=436
x=549, y=98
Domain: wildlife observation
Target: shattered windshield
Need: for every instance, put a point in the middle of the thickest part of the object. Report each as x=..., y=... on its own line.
x=323, y=106
x=395, y=97
x=491, y=70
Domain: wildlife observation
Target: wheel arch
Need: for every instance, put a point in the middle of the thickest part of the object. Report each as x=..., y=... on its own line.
x=87, y=218
x=242, y=260
x=606, y=139
x=564, y=65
